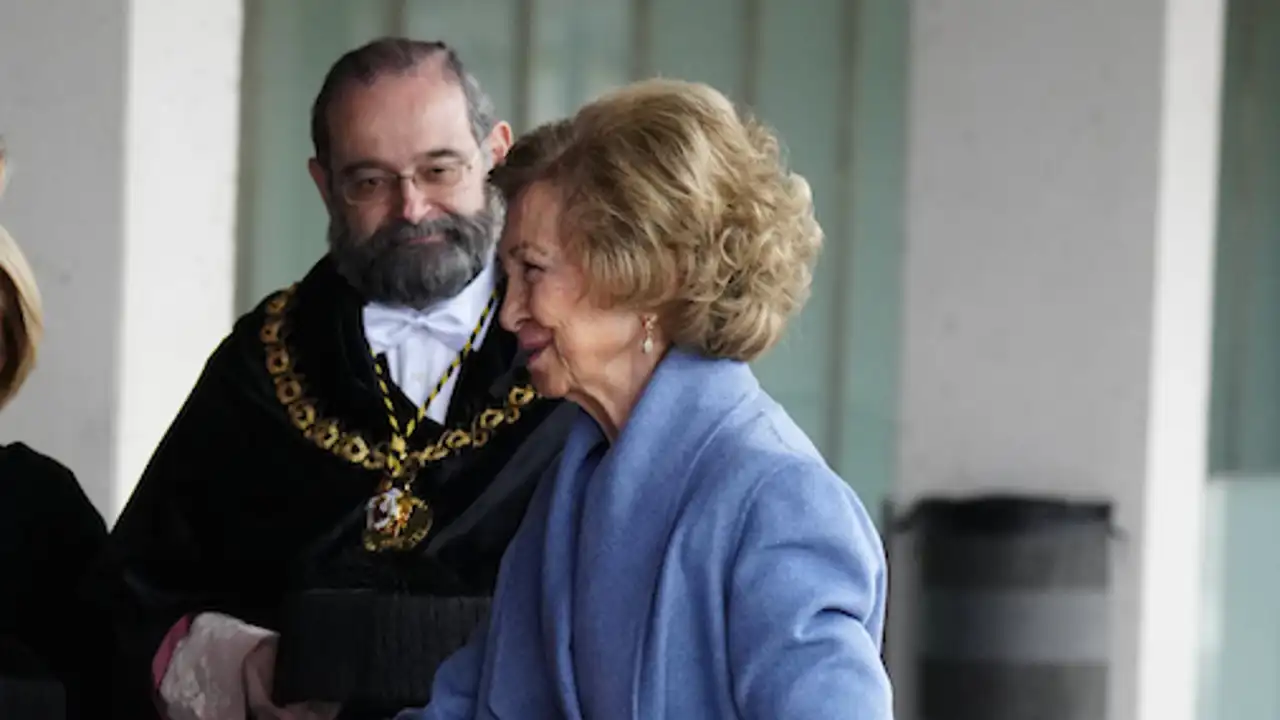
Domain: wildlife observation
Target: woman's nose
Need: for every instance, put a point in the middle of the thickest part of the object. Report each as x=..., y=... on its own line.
x=512, y=313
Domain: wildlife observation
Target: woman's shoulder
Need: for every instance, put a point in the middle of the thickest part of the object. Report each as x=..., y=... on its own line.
x=31, y=482
x=763, y=456
x=21, y=464
x=22, y=455
x=773, y=487
x=759, y=439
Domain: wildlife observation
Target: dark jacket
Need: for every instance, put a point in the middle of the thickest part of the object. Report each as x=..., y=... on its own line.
x=254, y=506
x=53, y=644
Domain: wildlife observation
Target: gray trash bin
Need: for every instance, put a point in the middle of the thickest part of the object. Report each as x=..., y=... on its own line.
x=1012, y=607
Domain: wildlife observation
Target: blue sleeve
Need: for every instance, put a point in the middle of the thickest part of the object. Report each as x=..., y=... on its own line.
x=807, y=602
x=456, y=684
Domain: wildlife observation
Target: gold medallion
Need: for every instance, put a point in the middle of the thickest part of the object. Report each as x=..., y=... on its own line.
x=396, y=520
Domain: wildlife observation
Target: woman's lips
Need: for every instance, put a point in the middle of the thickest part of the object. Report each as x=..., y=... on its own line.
x=533, y=342
x=533, y=353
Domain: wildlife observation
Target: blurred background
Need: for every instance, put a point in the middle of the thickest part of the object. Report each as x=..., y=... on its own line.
x=1052, y=272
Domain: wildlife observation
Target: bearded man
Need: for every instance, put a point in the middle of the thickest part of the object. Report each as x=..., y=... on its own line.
x=324, y=520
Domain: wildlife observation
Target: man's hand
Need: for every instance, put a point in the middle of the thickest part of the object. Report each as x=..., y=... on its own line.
x=259, y=673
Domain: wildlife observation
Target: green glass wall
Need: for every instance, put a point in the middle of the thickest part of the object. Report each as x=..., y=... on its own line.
x=1241, y=640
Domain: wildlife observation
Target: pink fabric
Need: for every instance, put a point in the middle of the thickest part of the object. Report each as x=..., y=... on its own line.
x=160, y=662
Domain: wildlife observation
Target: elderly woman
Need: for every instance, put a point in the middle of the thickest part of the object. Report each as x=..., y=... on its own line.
x=692, y=556
x=52, y=644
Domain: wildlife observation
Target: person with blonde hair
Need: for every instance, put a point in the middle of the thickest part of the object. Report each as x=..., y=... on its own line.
x=21, y=318
x=53, y=644
x=692, y=555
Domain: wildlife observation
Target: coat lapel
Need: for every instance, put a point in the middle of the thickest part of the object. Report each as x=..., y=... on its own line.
x=582, y=452
x=631, y=504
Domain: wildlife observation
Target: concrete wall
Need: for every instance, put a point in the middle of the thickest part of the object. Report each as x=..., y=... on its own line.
x=1059, y=222
x=121, y=124
x=63, y=80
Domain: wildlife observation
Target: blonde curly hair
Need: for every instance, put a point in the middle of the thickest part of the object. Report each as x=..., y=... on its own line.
x=529, y=156
x=676, y=204
x=21, y=317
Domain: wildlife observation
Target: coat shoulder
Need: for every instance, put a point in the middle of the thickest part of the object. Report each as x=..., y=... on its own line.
x=760, y=441
x=760, y=464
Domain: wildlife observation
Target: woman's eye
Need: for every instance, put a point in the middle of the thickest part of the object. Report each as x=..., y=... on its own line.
x=530, y=270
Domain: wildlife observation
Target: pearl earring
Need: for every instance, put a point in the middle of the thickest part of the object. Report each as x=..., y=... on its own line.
x=647, y=346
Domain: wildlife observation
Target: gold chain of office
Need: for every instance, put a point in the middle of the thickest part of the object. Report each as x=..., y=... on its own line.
x=328, y=433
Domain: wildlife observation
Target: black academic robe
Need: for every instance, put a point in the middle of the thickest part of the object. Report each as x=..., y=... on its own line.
x=53, y=642
x=243, y=511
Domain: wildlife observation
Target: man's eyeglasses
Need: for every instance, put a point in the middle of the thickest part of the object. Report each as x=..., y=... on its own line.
x=373, y=186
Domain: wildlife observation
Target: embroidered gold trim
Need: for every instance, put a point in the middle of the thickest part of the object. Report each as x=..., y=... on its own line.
x=328, y=433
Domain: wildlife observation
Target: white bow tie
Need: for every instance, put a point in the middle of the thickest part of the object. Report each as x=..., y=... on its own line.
x=387, y=327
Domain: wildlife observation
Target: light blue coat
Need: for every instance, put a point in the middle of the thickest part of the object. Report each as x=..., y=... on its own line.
x=707, y=565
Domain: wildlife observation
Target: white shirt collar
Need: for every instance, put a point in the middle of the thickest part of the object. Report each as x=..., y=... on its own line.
x=451, y=321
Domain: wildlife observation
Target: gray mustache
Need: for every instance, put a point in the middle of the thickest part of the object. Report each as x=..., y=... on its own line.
x=449, y=227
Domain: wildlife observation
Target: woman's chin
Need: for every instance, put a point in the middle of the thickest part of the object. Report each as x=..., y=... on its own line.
x=546, y=384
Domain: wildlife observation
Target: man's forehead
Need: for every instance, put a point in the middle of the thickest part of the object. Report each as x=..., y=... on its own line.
x=419, y=106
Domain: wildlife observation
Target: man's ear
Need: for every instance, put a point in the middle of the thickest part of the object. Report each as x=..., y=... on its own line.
x=321, y=178
x=499, y=142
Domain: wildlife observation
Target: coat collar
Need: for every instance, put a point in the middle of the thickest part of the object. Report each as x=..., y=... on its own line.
x=688, y=398
x=685, y=401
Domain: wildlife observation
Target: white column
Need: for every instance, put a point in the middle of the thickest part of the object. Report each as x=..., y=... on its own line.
x=179, y=265
x=121, y=125
x=1174, y=489
x=1062, y=168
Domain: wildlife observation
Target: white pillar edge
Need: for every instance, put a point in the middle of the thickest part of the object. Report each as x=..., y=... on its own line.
x=179, y=271
x=1178, y=402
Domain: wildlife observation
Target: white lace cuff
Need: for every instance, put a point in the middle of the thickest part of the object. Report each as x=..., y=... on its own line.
x=205, y=679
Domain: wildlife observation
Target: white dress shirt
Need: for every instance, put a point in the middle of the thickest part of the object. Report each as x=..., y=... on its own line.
x=421, y=344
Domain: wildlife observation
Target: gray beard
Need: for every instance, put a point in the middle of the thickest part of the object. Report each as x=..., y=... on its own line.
x=387, y=267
